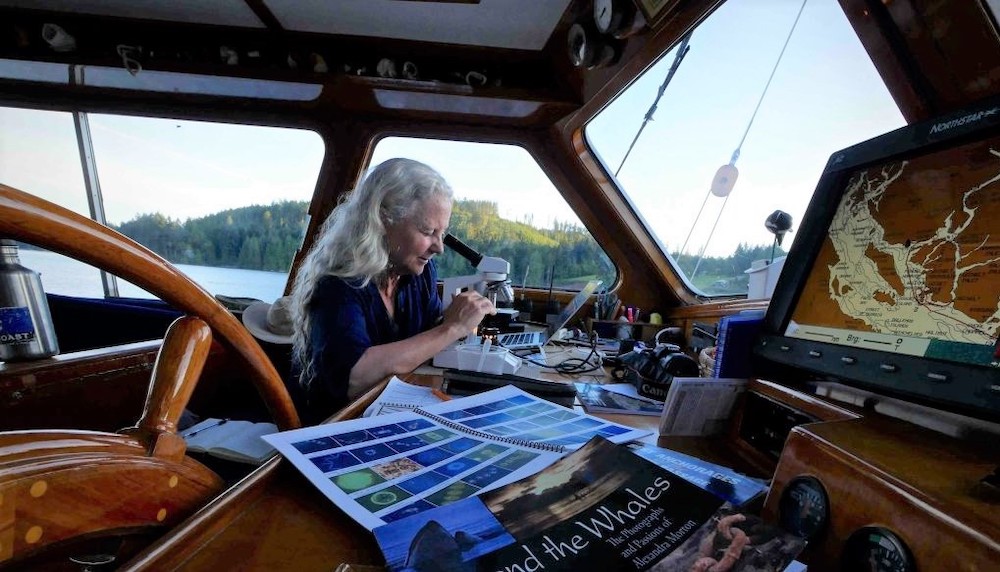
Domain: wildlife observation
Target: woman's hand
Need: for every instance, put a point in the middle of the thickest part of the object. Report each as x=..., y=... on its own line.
x=396, y=358
x=467, y=310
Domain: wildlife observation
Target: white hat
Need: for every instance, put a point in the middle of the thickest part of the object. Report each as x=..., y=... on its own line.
x=270, y=322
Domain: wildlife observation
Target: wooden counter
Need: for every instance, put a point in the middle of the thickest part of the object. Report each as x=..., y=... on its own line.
x=276, y=520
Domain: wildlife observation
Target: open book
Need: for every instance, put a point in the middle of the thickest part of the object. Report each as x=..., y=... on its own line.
x=384, y=468
x=600, y=508
x=238, y=441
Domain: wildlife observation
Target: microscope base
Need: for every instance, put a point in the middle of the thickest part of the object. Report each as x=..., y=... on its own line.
x=470, y=357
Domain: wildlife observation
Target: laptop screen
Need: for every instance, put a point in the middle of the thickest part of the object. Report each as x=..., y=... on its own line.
x=574, y=305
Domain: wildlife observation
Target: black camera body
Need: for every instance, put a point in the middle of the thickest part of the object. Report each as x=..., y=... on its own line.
x=651, y=370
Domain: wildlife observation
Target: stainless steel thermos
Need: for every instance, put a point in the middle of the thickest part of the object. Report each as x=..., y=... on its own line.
x=26, y=330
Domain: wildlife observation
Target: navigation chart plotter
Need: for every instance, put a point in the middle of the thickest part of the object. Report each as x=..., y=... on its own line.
x=893, y=282
x=909, y=264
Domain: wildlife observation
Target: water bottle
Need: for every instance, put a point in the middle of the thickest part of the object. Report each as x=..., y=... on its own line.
x=26, y=330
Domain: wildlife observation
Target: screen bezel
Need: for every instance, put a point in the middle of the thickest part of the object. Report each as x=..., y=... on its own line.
x=963, y=388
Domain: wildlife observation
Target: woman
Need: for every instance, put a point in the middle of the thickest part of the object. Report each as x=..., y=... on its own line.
x=365, y=299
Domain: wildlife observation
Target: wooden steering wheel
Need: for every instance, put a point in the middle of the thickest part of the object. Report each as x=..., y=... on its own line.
x=57, y=486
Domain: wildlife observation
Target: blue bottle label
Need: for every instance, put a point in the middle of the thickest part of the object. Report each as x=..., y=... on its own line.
x=16, y=326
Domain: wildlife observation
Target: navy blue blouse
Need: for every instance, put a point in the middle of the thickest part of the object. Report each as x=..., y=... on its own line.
x=346, y=319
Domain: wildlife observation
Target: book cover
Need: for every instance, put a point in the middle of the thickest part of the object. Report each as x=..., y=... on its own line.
x=381, y=469
x=600, y=508
x=596, y=399
x=737, y=336
x=723, y=482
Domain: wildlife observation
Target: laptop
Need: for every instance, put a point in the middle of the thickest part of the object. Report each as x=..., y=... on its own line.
x=537, y=339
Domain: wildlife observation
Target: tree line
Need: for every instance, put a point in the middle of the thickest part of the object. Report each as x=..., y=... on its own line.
x=266, y=238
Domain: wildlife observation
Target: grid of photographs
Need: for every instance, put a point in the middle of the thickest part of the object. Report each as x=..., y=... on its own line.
x=388, y=467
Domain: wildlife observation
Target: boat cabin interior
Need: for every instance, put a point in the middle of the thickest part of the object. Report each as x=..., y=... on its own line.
x=165, y=164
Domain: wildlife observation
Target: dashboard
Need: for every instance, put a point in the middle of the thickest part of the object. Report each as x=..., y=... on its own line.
x=870, y=492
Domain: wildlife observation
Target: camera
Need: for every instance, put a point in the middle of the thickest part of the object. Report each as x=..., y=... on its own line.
x=652, y=369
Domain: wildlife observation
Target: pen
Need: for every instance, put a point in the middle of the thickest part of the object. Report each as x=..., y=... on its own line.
x=440, y=394
x=193, y=433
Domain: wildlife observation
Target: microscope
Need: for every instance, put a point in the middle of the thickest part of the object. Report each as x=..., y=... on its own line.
x=491, y=281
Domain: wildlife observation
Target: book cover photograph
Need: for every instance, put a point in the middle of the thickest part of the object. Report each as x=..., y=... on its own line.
x=385, y=468
x=596, y=399
x=599, y=508
x=723, y=482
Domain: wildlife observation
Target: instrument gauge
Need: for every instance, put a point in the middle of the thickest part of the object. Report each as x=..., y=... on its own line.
x=877, y=549
x=804, y=508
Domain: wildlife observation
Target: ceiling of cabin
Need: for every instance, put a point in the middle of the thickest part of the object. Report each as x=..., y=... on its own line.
x=514, y=24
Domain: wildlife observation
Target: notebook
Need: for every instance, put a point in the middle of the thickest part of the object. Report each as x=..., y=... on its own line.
x=737, y=337
x=526, y=340
x=238, y=441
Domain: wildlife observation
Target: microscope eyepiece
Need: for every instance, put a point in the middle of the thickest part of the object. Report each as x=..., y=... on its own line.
x=464, y=250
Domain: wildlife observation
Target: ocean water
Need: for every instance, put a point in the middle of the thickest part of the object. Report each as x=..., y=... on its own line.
x=62, y=275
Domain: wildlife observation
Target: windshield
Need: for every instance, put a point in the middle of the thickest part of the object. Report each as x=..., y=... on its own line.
x=728, y=145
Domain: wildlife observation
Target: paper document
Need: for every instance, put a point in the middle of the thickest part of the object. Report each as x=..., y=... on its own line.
x=699, y=405
x=385, y=468
x=401, y=396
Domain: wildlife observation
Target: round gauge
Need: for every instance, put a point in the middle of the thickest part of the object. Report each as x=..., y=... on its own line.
x=877, y=549
x=804, y=508
x=614, y=17
x=604, y=15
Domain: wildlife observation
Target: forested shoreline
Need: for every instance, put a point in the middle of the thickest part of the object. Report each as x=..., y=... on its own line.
x=266, y=237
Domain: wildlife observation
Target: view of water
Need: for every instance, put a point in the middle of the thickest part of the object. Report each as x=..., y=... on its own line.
x=62, y=275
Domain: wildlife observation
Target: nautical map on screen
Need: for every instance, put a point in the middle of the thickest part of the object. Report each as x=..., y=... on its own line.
x=911, y=262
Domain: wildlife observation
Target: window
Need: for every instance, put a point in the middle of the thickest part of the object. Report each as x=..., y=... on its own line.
x=225, y=203
x=825, y=95
x=506, y=207
x=38, y=155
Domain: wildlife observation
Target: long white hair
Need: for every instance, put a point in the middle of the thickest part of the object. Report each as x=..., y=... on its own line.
x=352, y=241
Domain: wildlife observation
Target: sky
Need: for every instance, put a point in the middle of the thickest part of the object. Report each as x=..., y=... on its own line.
x=825, y=96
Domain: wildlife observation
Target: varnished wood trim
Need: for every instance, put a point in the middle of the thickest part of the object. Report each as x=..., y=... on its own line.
x=818, y=408
x=175, y=374
x=49, y=393
x=716, y=309
x=60, y=361
x=919, y=484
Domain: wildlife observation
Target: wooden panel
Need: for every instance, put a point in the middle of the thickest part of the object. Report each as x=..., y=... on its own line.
x=933, y=56
x=104, y=389
x=53, y=393
x=919, y=484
